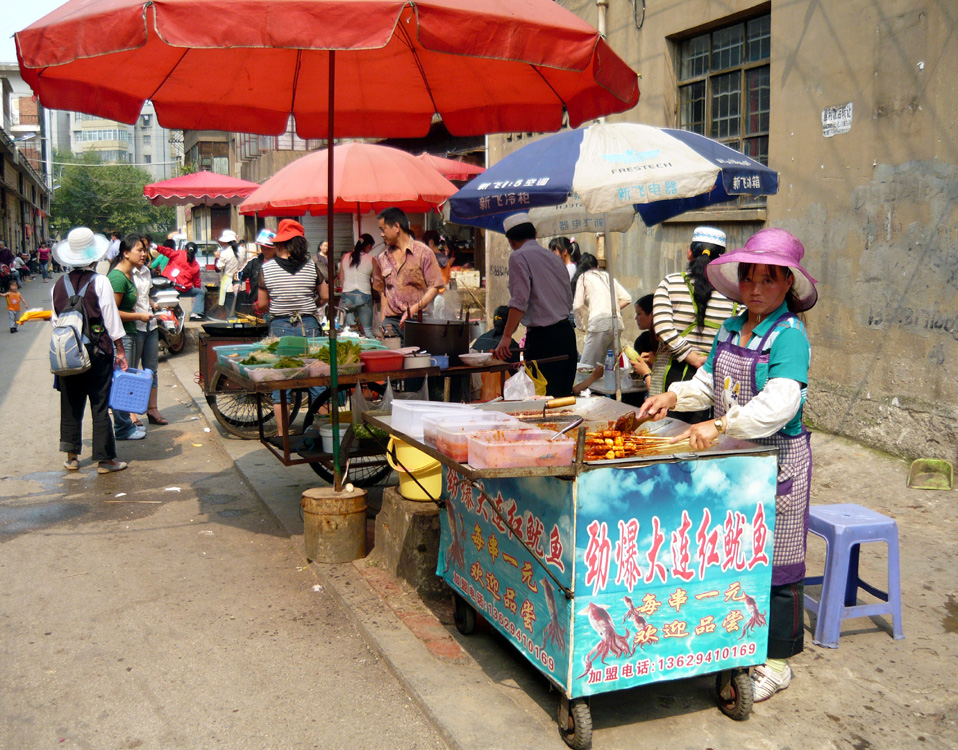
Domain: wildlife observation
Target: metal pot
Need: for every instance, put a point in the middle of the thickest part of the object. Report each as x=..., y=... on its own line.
x=438, y=336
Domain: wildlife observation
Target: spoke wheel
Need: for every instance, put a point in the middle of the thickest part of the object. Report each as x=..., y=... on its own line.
x=235, y=410
x=366, y=467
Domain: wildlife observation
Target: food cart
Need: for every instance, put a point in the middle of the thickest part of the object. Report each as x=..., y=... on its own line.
x=611, y=574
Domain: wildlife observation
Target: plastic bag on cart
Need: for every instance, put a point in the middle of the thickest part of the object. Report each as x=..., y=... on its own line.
x=422, y=394
x=520, y=386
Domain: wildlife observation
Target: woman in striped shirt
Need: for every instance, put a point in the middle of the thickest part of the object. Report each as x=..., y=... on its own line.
x=686, y=314
x=289, y=287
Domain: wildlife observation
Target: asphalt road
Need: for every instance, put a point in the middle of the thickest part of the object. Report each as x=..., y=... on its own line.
x=163, y=607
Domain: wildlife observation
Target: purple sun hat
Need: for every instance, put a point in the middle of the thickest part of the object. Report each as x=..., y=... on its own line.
x=769, y=247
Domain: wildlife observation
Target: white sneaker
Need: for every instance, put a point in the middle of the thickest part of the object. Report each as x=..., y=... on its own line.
x=766, y=681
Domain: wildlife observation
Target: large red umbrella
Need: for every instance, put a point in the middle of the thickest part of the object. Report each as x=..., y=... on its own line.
x=247, y=65
x=366, y=177
x=452, y=169
x=200, y=189
x=341, y=68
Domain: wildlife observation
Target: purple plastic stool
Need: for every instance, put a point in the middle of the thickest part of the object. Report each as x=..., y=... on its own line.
x=845, y=528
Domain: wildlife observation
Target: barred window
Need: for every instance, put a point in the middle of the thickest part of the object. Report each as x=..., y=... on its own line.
x=724, y=85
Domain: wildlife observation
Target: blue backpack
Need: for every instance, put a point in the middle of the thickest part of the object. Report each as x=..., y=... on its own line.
x=68, y=351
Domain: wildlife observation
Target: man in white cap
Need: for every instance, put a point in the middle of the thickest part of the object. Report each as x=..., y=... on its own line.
x=227, y=263
x=540, y=297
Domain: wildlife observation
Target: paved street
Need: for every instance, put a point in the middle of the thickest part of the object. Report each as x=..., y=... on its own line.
x=163, y=607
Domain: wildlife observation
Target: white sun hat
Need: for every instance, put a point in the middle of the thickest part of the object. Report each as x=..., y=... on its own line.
x=81, y=248
x=228, y=235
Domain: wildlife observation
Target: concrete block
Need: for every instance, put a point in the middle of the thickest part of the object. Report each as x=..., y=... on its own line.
x=407, y=542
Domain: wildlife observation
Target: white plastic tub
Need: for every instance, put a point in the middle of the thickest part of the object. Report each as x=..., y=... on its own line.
x=407, y=416
x=505, y=449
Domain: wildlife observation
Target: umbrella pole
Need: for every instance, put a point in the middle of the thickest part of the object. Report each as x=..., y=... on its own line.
x=613, y=302
x=330, y=267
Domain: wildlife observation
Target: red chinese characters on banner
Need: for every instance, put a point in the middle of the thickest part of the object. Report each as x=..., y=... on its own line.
x=759, y=538
x=680, y=549
x=655, y=567
x=707, y=541
x=534, y=529
x=734, y=555
x=597, y=554
x=555, y=549
x=627, y=554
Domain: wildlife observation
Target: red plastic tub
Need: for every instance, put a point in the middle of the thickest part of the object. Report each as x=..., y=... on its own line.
x=381, y=360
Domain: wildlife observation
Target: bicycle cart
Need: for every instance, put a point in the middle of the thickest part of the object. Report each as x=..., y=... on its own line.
x=234, y=408
x=612, y=574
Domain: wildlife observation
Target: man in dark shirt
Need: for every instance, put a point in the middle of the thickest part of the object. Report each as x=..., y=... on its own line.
x=540, y=297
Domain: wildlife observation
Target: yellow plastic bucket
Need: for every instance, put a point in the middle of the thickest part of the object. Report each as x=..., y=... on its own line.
x=414, y=466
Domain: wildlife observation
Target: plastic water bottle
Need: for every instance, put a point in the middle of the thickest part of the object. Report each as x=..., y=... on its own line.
x=609, y=375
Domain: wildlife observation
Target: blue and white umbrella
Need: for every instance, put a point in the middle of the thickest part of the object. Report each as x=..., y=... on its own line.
x=597, y=178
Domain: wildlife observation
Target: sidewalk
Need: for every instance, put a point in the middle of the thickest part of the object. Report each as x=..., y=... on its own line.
x=871, y=692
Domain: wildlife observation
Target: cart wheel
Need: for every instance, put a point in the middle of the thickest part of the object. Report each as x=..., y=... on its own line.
x=576, y=730
x=464, y=615
x=735, y=694
x=236, y=409
x=364, y=470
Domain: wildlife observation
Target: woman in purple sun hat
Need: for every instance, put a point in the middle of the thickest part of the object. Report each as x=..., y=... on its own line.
x=756, y=379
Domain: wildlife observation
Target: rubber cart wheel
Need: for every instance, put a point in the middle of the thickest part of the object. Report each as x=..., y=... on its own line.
x=364, y=470
x=236, y=409
x=735, y=694
x=577, y=733
x=464, y=615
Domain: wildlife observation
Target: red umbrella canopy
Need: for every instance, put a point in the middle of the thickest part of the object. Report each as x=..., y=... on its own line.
x=366, y=177
x=452, y=169
x=247, y=65
x=199, y=189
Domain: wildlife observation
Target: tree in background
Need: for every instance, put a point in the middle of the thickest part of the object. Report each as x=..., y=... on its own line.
x=105, y=197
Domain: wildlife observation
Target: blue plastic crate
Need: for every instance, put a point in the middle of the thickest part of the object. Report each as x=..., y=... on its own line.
x=131, y=390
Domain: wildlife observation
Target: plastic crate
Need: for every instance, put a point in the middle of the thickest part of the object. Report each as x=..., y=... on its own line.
x=130, y=390
x=230, y=356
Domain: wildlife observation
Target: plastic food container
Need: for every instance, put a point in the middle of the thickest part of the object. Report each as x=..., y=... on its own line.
x=453, y=439
x=414, y=361
x=381, y=360
x=503, y=449
x=407, y=415
x=230, y=356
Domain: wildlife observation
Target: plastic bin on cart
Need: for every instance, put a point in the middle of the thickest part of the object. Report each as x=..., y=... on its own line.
x=503, y=449
x=130, y=390
x=407, y=415
x=452, y=439
x=471, y=422
x=230, y=356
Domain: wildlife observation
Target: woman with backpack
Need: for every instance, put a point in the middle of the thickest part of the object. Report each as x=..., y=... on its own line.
x=82, y=289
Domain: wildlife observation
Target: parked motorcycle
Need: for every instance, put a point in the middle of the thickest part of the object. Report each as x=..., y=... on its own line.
x=169, y=316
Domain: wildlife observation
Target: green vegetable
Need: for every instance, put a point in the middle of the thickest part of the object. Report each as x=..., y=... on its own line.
x=347, y=353
x=288, y=362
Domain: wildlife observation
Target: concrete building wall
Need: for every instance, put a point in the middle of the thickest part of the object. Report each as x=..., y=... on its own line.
x=876, y=206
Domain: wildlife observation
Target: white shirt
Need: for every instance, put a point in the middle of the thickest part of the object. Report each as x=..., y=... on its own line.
x=768, y=412
x=357, y=278
x=592, y=298
x=227, y=262
x=143, y=280
x=113, y=250
x=107, y=299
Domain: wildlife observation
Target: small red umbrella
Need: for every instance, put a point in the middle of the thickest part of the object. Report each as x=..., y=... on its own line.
x=452, y=169
x=199, y=189
x=366, y=177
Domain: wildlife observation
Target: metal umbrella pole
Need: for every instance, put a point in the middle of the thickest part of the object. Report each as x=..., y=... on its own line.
x=330, y=268
x=613, y=302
